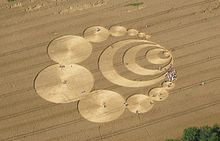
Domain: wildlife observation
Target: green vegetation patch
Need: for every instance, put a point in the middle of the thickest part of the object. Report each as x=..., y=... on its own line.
x=135, y=4
x=11, y=0
x=205, y=133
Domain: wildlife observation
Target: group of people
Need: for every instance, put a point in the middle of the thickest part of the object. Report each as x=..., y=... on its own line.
x=171, y=74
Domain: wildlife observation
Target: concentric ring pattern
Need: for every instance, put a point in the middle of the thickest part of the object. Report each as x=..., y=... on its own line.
x=68, y=81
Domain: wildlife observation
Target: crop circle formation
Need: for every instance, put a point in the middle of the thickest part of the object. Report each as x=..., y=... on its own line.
x=68, y=81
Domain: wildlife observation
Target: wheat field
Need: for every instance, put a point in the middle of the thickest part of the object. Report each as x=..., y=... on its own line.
x=189, y=29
